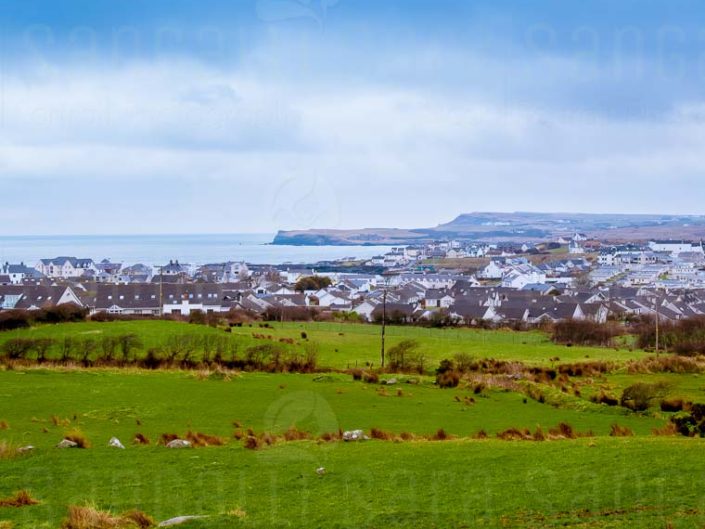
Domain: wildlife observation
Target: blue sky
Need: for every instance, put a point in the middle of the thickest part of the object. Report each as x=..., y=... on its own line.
x=158, y=116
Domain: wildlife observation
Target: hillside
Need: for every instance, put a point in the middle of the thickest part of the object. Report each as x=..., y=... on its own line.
x=518, y=226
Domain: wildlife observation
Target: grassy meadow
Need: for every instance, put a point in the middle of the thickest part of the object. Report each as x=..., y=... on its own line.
x=467, y=480
x=344, y=345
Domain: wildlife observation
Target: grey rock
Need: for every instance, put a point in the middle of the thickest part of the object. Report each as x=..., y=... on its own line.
x=115, y=443
x=179, y=443
x=67, y=444
x=179, y=520
x=354, y=435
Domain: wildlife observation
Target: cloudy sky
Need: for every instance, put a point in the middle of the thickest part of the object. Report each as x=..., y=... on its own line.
x=227, y=116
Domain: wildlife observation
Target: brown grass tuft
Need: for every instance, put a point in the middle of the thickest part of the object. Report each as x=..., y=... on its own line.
x=88, y=517
x=166, y=438
x=19, y=499
x=539, y=435
x=141, y=439
x=6, y=524
x=666, y=431
x=482, y=434
x=441, y=435
x=620, y=431
x=58, y=421
x=139, y=519
x=294, y=434
x=563, y=431
x=515, y=434
x=4, y=425
x=79, y=438
x=198, y=439
x=381, y=435
x=252, y=443
x=8, y=450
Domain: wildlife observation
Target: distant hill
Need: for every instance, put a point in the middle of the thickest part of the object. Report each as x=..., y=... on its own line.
x=518, y=226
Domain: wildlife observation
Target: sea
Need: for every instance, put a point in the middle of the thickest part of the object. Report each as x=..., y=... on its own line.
x=160, y=249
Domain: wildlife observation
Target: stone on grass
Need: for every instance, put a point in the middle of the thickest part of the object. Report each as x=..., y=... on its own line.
x=354, y=435
x=391, y=382
x=179, y=443
x=67, y=444
x=25, y=449
x=115, y=443
x=179, y=520
x=321, y=471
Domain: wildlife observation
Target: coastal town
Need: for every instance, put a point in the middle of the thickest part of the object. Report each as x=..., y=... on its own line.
x=445, y=282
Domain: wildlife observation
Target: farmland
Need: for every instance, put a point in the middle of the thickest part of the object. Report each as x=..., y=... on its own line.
x=471, y=476
x=343, y=345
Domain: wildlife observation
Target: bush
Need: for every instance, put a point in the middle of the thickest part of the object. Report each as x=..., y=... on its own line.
x=673, y=405
x=584, y=332
x=639, y=396
x=14, y=319
x=405, y=358
x=447, y=376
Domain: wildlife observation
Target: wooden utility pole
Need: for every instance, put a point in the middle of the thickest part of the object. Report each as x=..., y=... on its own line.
x=384, y=319
x=657, y=329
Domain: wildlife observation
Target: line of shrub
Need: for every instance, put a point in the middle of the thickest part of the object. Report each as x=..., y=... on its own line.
x=179, y=351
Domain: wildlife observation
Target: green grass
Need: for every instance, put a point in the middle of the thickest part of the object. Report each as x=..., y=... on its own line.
x=344, y=345
x=600, y=482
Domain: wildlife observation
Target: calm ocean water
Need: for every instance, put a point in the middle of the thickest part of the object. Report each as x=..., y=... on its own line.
x=158, y=249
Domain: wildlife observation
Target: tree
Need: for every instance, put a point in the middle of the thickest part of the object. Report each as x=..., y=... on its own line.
x=312, y=283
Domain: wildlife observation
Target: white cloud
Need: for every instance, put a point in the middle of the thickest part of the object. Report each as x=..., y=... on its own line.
x=385, y=152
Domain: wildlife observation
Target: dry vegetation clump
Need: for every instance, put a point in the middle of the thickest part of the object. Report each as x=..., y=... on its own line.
x=406, y=436
x=441, y=435
x=604, y=398
x=6, y=524
x=4, y=425
x=665, y=364
x=668, y=430
x=586, y=369
x=19, y=499
x=331, y=437
x=294, y=434
x=89, y=517
x=563, y=431
x=620, y=431
x=58, y=421
x=199, y=439
x=8, y=450
x=675, y=405
x=166, y=438
x=370, y=377
x=141, y=439
x=515, y=434
x=482, y=434
x=381, y=435
x=78, y=437
x=252, y=443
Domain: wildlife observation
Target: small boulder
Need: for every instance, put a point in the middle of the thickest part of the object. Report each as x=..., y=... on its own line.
x=179, y=443
x=354, y=435
x=25, y=449
x=321, y=471
x=391, y=382
x=67, y=444
x=115, y=443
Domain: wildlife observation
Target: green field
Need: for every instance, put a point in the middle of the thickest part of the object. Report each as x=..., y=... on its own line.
x=596, y=481
x=343, y=345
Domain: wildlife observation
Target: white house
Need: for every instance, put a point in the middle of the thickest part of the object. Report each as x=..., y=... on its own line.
x=65, y=267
